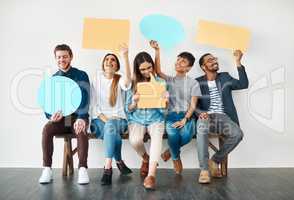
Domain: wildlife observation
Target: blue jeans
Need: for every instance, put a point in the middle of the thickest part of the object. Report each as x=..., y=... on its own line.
x=216, y=124
x=110, y=132
x=178, y=137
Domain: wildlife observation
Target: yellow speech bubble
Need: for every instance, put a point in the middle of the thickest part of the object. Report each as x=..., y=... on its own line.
x=151, y=94
x=222, y=35
x=105, y=34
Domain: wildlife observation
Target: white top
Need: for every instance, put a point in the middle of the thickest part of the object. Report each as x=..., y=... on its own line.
x=216, y=103
x=100, y=92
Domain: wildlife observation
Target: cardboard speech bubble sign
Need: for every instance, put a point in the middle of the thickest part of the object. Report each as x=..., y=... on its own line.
x=105, y=34
x=151, y=94
x=59, y=93
x=223, y=35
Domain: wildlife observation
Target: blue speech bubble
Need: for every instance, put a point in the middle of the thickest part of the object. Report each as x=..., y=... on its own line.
x=59, y=93
x=167, y=31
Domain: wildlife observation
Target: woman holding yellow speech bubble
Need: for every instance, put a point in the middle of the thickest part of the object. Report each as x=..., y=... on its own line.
x=109, y=119
x=142, y=119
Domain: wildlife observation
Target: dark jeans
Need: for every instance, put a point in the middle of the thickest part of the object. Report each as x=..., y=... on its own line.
x=64, y=126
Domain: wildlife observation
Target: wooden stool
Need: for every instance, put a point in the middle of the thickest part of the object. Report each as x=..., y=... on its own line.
x=224, y=163
x=68, y=153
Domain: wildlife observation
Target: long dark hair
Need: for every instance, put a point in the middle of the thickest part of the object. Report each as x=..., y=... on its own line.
x=139, y=59
x=115, y=80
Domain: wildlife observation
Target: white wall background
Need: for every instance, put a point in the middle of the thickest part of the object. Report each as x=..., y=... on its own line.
x=30, y=30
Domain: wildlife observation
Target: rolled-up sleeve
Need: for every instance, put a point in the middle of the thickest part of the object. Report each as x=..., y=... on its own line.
x=242, y=83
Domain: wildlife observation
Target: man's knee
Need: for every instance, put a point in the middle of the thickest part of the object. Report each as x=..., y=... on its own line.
x=82, y=136
x=48, y=129
x=236, y=133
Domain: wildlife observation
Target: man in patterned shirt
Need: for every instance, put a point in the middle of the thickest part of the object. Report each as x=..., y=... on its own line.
x=217, y=113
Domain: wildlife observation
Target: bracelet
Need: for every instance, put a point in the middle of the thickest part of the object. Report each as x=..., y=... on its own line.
x=134, y=103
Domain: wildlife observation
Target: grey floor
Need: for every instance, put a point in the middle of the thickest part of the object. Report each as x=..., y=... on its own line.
x=247, y=184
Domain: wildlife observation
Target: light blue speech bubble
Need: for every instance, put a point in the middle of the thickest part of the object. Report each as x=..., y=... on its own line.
x=59, y=93
x=167, y=31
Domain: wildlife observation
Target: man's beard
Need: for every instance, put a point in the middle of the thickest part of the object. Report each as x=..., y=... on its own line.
x=66, y=67
x=215, y=68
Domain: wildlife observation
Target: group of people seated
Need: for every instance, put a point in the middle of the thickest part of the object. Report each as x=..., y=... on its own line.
x=198, y=106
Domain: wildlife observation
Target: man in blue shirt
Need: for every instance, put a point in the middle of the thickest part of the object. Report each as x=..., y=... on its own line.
x=217, y=113
x=76, y=123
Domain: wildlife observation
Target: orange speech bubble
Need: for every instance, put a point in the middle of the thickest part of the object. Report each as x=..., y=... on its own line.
x=105, y=34
x=223, y=35
x=151, y=94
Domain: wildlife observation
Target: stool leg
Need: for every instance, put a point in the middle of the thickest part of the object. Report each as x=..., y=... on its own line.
x=70, y=158
x=224, y=163
x=224, y=167
x=65, y=158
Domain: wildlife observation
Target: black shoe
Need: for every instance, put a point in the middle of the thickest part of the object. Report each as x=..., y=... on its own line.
x=123, y=168
x=107, y=177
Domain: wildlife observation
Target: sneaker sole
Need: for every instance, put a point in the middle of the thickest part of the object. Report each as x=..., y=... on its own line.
x=83, y=183
x=47, y=182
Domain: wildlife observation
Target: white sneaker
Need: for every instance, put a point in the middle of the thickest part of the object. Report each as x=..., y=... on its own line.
x=46, y=176
x=83, y=176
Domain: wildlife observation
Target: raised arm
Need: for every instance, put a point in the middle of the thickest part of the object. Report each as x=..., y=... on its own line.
x=243, y=82
x=125, y=54
x=158, y=71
